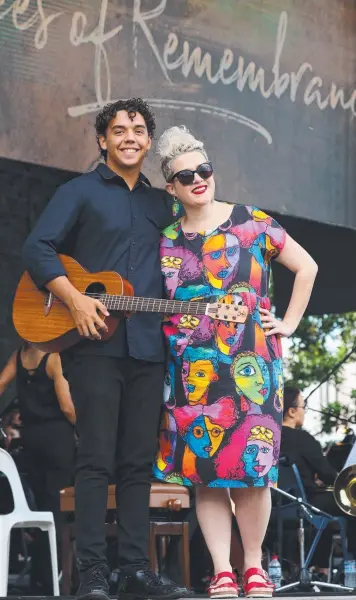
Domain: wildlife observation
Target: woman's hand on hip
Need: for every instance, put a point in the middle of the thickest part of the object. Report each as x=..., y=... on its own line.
x=273, y=326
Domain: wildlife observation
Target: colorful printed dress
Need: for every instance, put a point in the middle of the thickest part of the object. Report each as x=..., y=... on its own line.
x=221, y=425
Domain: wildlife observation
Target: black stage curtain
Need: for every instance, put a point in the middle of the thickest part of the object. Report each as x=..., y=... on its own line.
x=333, y=247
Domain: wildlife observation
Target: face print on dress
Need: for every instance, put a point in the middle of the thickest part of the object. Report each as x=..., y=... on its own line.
x=187, y=330
x=258, y=457
x=204, y=437
x=171, y=266
x=178, y=265
x=228, y=336
x=167, y=442
x=199, y=371
x=251, y=375
x=221, y=254
x=278, y=384
x=252, y=451
x=203, y=427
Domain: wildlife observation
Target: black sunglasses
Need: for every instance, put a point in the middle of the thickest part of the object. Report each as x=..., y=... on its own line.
x=186, y=176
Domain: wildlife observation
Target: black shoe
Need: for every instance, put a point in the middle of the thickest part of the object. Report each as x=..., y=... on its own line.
x=94, y=584
x=146, y=584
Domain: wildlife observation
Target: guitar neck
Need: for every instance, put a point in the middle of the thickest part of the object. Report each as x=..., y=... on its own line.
x=138, y=304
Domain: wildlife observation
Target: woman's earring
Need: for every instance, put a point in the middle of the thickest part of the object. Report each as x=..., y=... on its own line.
x=176, y=206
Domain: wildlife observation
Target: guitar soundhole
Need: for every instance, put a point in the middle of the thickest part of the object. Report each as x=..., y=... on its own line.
x=95, y=289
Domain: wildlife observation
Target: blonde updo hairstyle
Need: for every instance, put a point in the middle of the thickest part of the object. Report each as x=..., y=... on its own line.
x=174, y=142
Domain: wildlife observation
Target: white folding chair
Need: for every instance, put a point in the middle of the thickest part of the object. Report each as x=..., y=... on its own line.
x=22, y=517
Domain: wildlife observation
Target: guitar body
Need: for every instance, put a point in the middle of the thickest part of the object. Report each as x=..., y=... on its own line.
x=46, y=323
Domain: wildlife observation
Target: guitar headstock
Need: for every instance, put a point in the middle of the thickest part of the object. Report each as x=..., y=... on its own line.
x=234, y=313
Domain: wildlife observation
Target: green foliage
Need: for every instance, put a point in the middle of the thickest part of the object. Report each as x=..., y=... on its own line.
x=318, y=345
x=330, y=417
x=315, y=349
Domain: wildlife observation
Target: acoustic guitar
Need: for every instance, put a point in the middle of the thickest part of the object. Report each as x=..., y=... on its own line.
x=46, y=323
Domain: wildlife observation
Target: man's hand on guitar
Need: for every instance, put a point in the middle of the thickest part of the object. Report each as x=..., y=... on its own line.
x=84, y=311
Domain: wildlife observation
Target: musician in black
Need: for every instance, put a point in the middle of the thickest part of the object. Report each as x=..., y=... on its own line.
x=315, y=471
x=110, y=219
x=47, y=434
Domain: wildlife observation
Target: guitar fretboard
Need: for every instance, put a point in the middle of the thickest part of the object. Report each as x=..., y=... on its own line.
x=138, y=304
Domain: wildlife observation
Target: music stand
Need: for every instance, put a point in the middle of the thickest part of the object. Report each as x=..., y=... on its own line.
x=305, y=582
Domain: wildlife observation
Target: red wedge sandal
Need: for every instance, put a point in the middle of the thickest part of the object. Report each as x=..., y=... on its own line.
x=223, y=590
x=257, y=589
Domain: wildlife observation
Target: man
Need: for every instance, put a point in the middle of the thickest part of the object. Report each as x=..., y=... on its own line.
x=110, y=219
x=315, y=471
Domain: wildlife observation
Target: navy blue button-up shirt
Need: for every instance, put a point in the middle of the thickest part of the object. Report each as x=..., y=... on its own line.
x=99, y=222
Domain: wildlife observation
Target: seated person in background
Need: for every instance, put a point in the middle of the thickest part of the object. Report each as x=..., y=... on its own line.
x=301, y=447
x=47, y=432
x=11, y=434
x=316, y=472
x=11, y=424
x=13, y=418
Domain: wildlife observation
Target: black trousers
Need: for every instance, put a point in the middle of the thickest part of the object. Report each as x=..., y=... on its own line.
x=325, y=501
x=118, y=404
x=49, y=450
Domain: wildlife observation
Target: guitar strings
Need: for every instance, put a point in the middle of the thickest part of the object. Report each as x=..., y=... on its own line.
x=116, y=302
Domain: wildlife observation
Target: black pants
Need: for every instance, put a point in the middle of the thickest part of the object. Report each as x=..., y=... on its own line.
x=49, y=450
x=325, y=501
x=118, y=404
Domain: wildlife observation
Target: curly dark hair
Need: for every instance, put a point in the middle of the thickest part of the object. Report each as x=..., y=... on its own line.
x=133, y=106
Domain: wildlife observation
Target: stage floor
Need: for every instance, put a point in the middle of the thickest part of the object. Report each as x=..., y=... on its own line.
x=323, y=596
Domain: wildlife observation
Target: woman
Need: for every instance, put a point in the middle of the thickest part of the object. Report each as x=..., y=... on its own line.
x=47, y=431
x=315, y=471
x=223, y=408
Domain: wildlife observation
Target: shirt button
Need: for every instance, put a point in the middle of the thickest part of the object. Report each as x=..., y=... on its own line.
x=132, y=269
x=135, y=217
x=133, y=243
